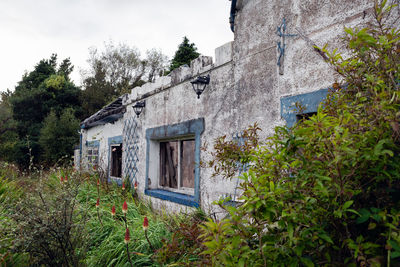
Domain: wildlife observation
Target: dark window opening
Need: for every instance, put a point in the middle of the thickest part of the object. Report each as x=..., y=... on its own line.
x=116, y=160
x=305, y=116
x=177, y=164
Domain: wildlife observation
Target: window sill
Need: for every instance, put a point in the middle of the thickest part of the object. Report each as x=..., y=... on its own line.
x=179, y=198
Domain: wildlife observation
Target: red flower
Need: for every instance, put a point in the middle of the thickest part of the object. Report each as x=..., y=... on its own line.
x=127, y=237
x=136, y=185
x=97, y=203
x=113, y=211
x=123, y=186
x=66, y=178
x=98, y=182
x=62, y=179
x=125, y=207
x=145, y=223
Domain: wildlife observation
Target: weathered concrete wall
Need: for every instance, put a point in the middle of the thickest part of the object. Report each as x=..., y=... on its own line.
x=256, y=78
x=171, y=100
x=245, y=85
x=101, y=133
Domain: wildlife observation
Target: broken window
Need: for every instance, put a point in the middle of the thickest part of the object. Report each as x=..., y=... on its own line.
x=93, y=156
x=305, y=116
x=177, y=164
x=116, y=160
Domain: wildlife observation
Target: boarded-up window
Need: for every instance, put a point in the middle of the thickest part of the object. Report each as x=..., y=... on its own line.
x=116, y=160
x=177, y=164
x=187, y=163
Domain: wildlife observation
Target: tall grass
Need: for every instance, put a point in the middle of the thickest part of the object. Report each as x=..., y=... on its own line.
x=10, y=192
x=106, y=242
x=96, y=244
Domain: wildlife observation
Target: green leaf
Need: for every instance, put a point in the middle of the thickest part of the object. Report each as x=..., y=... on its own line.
x=395, y=254
x=307, y=262
x=326, y=238
x=271, y=186
x=365, y=214
x=347, y=204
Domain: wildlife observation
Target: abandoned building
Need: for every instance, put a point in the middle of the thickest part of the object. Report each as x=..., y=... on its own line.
x=270, y=65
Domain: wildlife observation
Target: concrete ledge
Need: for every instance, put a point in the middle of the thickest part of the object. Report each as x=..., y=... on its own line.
x=182, y=199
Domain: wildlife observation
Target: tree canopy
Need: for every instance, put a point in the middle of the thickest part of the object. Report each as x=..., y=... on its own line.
x=186, y=52
x=46, y=88
x=115, y=71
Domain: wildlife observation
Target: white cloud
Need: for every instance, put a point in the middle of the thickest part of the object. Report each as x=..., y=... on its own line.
x=33, y=30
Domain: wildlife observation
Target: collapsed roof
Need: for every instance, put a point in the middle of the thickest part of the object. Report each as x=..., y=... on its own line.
x=108, y=114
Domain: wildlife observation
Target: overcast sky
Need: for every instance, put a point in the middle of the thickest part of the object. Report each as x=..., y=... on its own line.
x=31, y=30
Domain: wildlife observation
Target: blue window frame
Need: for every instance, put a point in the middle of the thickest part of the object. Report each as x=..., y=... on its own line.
x=310, y=101
x=93, y=152
x=191, y=129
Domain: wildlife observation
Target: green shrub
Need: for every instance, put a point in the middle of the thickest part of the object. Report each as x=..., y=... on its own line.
x=48, y=224
x=325, y=192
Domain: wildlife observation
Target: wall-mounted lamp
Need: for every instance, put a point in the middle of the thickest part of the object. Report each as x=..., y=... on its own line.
x=138, y=107
x=200, y=84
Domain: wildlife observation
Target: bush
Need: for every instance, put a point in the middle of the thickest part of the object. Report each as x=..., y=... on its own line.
x=325, y=192
x=48, y=224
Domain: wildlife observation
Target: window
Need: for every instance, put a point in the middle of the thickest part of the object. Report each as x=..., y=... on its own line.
x=177, y=165
x=116, y=160
x=305, y=116
x=93, y=156
x=173, y=162
x=310, y=101
x=92, y=153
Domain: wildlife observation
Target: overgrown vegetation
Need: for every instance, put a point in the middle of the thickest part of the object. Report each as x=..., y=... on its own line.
x=66, y=218
x=326, y=192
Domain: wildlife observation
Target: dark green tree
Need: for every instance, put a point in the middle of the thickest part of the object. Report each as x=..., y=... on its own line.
x=58, y=136
x=186, y=52
x=44, y=89
x=8, y=135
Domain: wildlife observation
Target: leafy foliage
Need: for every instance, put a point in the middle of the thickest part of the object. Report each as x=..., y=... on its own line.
x=185, y=244
x=8, y=136
x=186, y=52
x=44, y=89
x=115, y=71
x=325, y=192
x=58, y=136
x=50, y=226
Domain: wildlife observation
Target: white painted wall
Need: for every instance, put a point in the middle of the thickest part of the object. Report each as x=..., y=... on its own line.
x=101, y=133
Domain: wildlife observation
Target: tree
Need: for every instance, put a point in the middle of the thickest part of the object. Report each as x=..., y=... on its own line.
x=44, y=89
x=186, y=52
x=58, y=136
x=115, y=71
x=8, y=135
x=325, y=192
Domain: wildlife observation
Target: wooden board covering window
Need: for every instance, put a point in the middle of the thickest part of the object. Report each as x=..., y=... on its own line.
x=173, y=161
x=169, y=164
x=187, y=163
